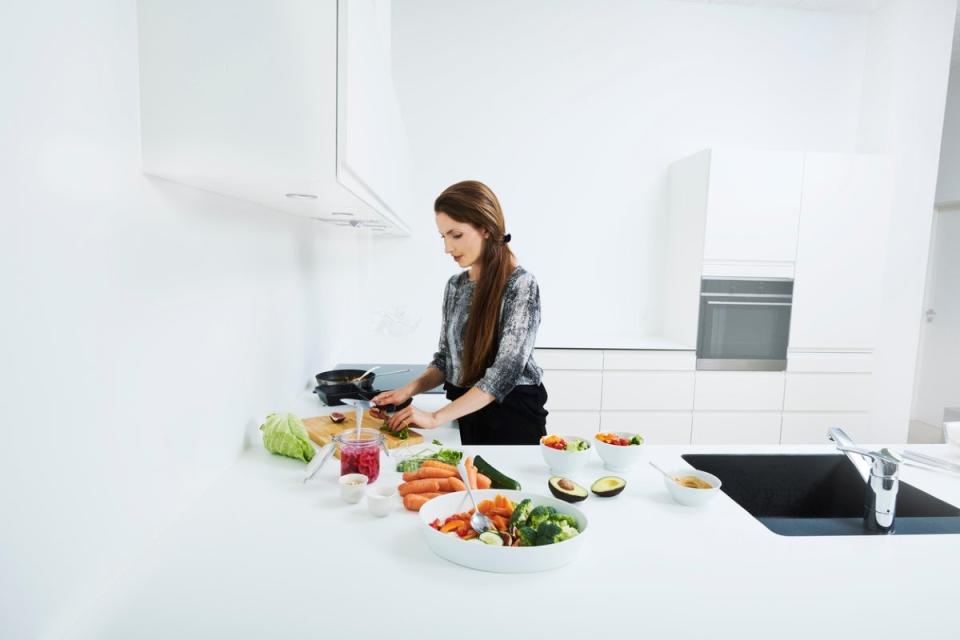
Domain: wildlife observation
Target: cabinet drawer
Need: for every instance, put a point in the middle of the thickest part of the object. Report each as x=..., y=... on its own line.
x=739, y=391
x=827, y=362
x=573, y=390
x=574, y=423
x=649, y=360
x=827, y=392
x=735, y=428
x=635, y=390
x=590, y=359
x=656, y=427
x=811, y=428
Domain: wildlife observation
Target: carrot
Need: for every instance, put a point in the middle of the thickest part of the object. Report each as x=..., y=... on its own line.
x=436, y=472
x=484, y=506
x=501, y=511
x=483, y=482
x=413, y=501
x=456, y=484
x=438, y=465
x=419, y=486
x=471, y=472
x=433, y=494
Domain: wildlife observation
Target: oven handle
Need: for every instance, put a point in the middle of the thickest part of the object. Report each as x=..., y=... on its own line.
x=726, y=303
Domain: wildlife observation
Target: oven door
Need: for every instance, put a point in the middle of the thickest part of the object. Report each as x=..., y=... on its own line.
x=740, y=333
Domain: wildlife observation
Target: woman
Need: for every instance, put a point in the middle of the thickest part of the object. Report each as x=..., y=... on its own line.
x=491, y=313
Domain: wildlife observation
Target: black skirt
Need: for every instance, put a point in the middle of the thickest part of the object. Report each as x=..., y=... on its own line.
x=519, y=419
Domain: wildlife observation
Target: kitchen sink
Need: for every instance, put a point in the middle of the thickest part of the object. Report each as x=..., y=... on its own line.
x=817, y=495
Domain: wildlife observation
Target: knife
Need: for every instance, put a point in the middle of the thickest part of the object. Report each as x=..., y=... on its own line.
x=318, y=461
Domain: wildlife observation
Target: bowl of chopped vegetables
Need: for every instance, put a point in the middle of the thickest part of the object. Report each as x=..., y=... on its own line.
x=620, y=450
x=533, y=532
x=564, y=454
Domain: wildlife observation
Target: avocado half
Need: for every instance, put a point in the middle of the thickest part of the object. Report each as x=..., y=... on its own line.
x=608, y=486
x=566, y=489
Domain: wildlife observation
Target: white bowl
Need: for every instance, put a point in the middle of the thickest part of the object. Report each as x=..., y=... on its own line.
x=477, y=555
x=382, y=500
x=686, y=495
x=616, y=457
x=352, y=487
x=564, y=462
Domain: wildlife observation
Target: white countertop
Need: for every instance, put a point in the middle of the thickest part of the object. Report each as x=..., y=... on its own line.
x=262, y=555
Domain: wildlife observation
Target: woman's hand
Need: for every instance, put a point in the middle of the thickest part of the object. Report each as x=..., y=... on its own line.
x=394, y=397
x=413, y=417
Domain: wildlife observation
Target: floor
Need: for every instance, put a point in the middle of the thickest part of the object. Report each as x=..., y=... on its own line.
x=923, y=433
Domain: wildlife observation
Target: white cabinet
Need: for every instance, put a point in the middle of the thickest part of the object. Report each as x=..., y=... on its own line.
x=811, y=428
x=827, y=392
x=841, y=252
x=573, y=390
x=753, y=205
x=656, y=427
x=736, y=428
x=654, y=391
x=242, y=99
x=739, y=391
x=584, y=424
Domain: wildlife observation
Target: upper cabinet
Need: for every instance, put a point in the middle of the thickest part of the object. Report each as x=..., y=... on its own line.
x=289, y=104
x=752, y=205
x=844, y=225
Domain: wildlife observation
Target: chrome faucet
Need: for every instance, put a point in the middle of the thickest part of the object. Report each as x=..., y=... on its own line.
x=881, y=477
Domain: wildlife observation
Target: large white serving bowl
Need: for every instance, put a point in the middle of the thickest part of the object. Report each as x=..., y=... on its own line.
x=692, y=497
x=562, y=462
x=616, y=457
x=477, y=555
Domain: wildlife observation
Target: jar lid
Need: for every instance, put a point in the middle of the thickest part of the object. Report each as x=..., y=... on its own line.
x=365, y=437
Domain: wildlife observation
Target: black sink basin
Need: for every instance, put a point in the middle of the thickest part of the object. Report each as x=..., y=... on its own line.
x=817, y=495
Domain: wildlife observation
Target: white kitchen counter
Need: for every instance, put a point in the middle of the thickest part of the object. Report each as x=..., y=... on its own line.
x=261, y=555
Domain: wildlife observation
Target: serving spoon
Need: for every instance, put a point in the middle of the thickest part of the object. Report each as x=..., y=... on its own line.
x=479, y=522
x=364, y=374
x=665, y=474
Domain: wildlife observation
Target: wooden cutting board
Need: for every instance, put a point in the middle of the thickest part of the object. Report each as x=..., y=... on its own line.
x=321, y=430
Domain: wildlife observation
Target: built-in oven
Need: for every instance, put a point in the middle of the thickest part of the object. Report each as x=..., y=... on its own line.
x=744, y=324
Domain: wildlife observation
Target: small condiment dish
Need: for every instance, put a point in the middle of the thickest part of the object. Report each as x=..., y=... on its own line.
x=688, y=496
x=382, y=500
x=352, y=487
x=562, y=461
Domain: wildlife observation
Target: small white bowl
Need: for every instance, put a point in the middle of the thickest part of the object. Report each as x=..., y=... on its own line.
x=382, y=500
x=688, y=496
x=352, y=487
x=562, y=462
x=616, y=457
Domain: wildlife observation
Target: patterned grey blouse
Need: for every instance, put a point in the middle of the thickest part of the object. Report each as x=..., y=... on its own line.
x=519, y=320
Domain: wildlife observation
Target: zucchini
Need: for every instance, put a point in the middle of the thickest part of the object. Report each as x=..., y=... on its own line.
x=497, y=479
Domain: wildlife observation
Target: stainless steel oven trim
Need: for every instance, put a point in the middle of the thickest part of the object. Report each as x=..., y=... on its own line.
x=732, y=303
x=732, y=364
x=747, y=295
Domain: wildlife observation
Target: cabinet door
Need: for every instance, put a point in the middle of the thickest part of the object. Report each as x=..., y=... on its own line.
x=651, y=391
x=739, y=391
x=656, y=427
x=584, y=424
x=811, y=428
x=753, y=205
x=371, y=138
x=827, y=392
x=572, y=390
x=841, y=252
x=735, y=428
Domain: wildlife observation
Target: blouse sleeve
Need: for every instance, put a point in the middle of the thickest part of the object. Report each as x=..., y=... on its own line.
x=440, y=357
x=519, y=320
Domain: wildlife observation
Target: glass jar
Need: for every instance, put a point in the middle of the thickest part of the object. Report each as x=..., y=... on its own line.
x=360, y=453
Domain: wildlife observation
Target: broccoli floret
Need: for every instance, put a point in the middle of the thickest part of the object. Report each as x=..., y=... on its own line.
x=567, y=532
x=520, y=514
x=564, y=520
x=528, y=536
x=540, y=515
x=548, y=533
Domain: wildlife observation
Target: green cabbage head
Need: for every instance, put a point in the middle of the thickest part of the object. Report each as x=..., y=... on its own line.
x=284, y=433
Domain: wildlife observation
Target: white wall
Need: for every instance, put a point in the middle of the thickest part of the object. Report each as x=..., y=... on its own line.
x=903, y=102
x=145, y=325
x=572, y=111
x=948, y=181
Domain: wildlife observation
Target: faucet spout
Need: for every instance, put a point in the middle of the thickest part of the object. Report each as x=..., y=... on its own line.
x=881, y=475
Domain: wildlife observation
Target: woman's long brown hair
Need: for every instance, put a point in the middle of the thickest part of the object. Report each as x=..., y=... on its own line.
x=474, y=203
